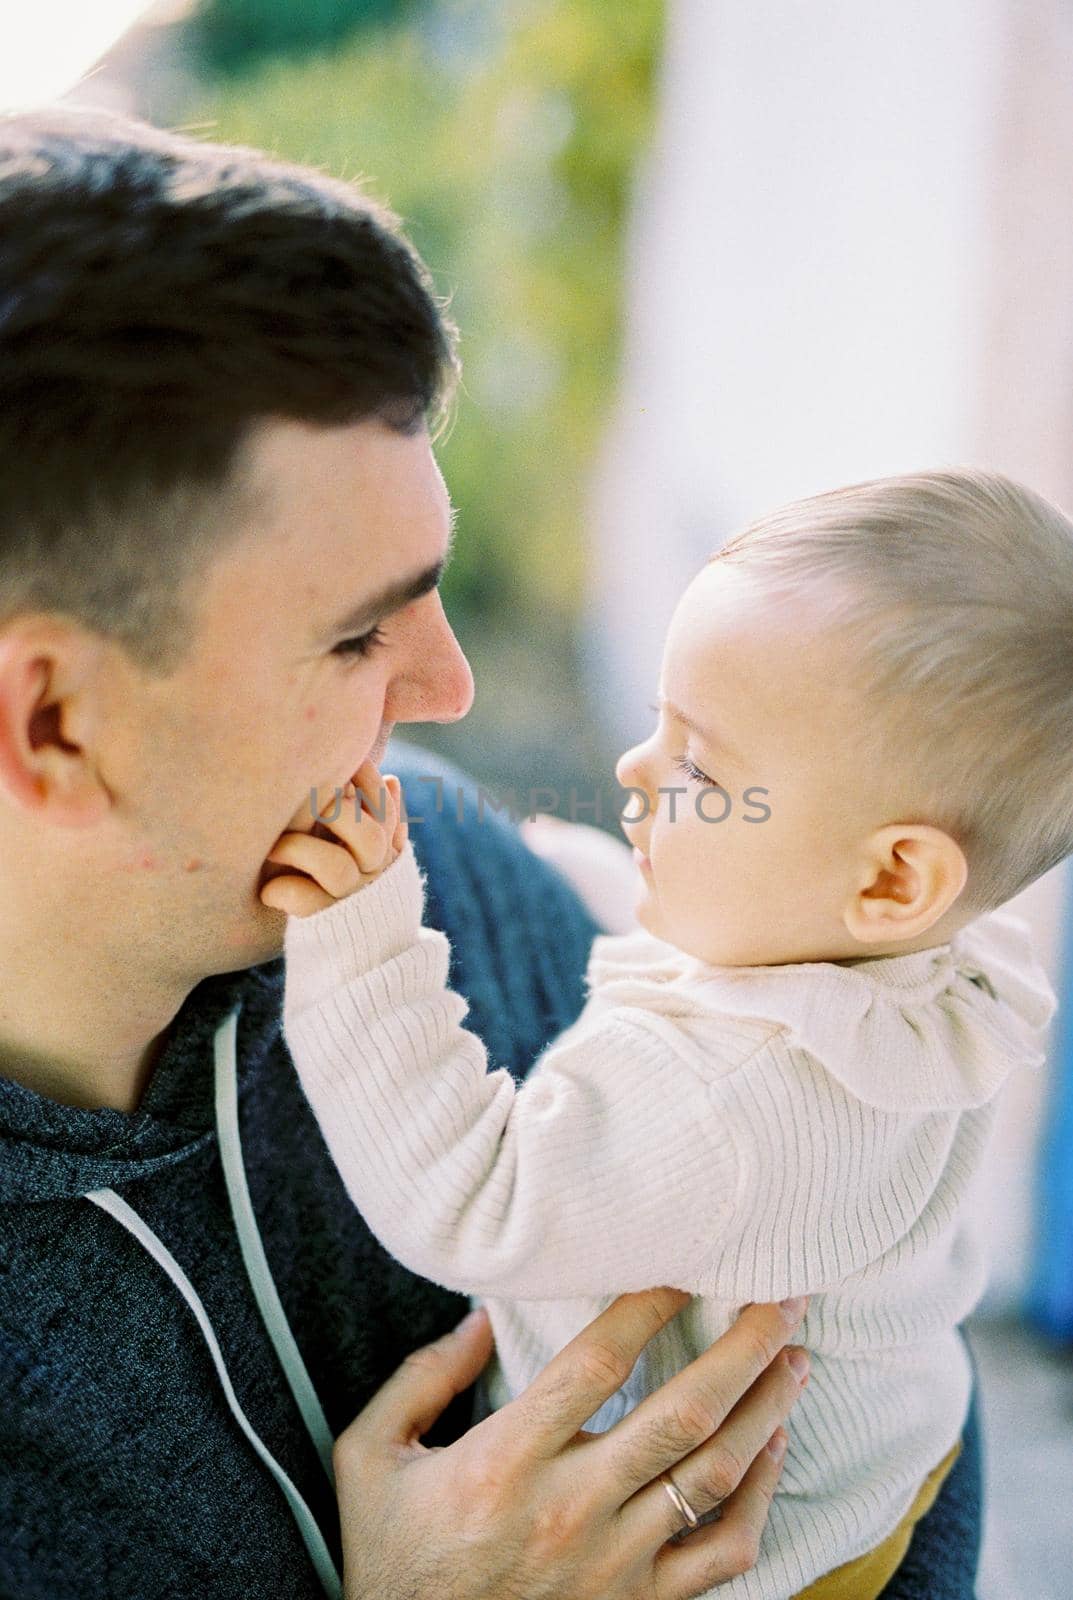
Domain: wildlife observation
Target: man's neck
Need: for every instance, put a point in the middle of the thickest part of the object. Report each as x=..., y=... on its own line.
x=118, y=1084
x=74, y=1028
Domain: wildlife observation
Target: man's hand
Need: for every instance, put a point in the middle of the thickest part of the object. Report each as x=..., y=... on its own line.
x=525, y=1506
x=342, y=854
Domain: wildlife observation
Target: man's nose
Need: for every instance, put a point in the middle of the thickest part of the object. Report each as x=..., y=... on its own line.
x=436, y=683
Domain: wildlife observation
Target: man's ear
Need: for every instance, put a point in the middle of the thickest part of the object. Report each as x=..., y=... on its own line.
x=911, y=874
x=48, y=720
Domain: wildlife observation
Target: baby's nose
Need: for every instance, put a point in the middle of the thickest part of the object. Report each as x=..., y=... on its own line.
x=637, y=806
x=626, y=767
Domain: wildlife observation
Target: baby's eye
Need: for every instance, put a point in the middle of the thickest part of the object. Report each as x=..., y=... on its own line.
x=361, y=645
x=684, y=764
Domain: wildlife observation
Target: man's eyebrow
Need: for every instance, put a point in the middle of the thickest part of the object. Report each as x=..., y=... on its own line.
x=716, y=740
x=378, y=606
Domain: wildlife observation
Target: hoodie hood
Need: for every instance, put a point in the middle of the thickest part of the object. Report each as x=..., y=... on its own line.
x=50, y=1151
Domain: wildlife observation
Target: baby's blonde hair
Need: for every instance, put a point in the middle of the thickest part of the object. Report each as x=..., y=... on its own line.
x=954, y=592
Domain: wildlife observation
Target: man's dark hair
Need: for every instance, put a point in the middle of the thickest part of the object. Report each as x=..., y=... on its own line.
x=160, y=296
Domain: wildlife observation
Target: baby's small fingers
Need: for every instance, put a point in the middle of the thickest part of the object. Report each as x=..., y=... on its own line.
x=331, y=866
x=298, y=897
x=344, y=807
x=402, y=830
x=365, y=837
x=366, y=832
x=344, y=817
x=378, y=795
x=324, y=805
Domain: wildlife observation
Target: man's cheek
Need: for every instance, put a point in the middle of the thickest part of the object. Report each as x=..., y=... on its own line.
x=302, y=820
x=326, y=796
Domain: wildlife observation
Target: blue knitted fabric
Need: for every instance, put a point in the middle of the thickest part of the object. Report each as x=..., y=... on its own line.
x=123, y=1475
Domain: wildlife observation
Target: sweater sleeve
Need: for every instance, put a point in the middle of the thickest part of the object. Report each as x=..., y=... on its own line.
x=605, y=1172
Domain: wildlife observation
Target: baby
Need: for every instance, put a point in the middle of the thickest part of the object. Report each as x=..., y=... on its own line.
x=782, y=1082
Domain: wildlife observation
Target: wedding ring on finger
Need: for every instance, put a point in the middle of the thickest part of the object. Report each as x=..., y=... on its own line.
x=690, y=1520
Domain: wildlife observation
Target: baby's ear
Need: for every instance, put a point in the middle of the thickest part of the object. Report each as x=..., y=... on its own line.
x=916, y=873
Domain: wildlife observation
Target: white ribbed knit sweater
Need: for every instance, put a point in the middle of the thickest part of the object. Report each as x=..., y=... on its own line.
x=744, y=1133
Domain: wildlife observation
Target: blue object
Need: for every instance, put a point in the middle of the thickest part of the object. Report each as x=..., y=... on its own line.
x=944, y=1553
x=1049, y=1303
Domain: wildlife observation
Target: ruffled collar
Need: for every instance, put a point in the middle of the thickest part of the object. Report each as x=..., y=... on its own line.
x=937, y=1029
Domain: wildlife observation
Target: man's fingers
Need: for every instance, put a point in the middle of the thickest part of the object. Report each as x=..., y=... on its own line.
x=409, y=1402
x=728, y=1547
x=576, y=1382
x=674, y=1420
x=714, y=1471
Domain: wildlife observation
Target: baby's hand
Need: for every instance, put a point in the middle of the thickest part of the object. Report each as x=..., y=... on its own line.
x=329, y=870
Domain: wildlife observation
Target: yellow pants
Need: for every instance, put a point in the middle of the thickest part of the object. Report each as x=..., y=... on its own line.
x=867, y=1576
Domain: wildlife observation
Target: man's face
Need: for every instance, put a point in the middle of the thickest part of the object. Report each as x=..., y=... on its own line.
x=208, y=767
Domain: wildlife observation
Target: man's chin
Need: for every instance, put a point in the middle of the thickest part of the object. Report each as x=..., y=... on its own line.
x=255, y=942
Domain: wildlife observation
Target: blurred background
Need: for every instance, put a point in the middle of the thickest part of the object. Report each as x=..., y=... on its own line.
x=704, y=257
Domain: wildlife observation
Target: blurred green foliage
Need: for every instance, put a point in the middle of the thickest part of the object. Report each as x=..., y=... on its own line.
x=232, y=35
x=506, y=135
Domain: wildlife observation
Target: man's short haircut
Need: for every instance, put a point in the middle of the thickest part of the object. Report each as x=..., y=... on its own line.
x=952, y=592
x=159, y=297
